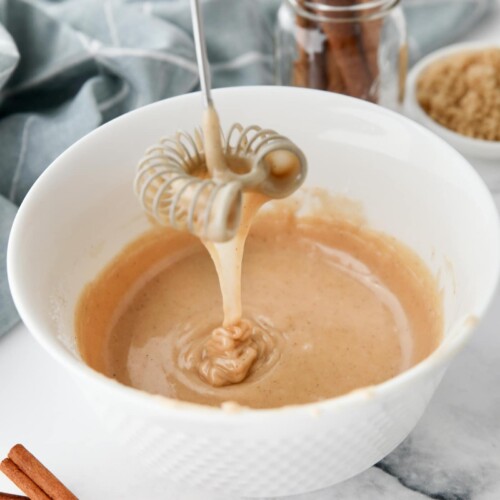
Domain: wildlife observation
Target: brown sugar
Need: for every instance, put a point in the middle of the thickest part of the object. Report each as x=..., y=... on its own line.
x=462, y=93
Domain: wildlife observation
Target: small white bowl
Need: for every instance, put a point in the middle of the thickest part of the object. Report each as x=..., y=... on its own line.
x=474, y=148
x=82, y=211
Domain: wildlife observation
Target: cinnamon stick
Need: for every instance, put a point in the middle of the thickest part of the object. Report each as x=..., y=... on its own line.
x=403, y=70
x=309, y=67
x=335, y=80
x=10, y=496
x=346, y=47
x=32, y=468
x=22, y=481
x=317, y=72
x=371, y=30
x=371, y=33
x=301, y=64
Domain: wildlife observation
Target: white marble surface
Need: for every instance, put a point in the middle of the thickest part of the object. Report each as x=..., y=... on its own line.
x=453, y=454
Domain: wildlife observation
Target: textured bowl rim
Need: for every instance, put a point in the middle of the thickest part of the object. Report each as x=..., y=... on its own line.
x=162, y=406
x=479, y=148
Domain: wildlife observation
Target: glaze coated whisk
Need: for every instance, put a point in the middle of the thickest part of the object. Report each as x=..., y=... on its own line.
x=176, y=187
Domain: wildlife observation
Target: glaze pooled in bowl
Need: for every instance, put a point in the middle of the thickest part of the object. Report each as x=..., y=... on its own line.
x=330, y=307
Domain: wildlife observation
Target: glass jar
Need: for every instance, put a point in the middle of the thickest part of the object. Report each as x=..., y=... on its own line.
x=353, y=47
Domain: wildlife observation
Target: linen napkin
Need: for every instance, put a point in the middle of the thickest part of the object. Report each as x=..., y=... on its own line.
x=68, y=66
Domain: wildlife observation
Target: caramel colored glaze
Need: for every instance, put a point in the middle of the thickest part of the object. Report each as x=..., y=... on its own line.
x=229, y=353
x=228, y=260
x=333, y=307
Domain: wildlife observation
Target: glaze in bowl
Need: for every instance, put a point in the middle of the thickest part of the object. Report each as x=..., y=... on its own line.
x=411, y=185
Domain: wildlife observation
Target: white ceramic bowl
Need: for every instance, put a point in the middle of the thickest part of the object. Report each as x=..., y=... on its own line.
x=474, y=148
x=414, y=186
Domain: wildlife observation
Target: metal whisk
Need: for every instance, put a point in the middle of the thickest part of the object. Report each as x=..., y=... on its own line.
x=175, y=186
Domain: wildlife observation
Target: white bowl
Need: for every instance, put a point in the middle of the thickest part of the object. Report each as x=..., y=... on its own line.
x=474, y=148
x=414, y=186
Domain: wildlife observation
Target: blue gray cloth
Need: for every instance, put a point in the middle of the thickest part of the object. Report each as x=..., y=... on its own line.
x=67, y=66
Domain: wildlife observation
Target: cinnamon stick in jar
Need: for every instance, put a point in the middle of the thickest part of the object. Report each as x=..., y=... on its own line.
x=348, y=60
x=335, y=79
x=310, y=66
x=371, y=35
x=346, y=48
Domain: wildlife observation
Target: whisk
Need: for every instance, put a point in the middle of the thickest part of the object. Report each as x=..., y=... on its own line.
x=175, y=186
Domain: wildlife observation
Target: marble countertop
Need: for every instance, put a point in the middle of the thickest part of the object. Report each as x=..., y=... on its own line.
x=453, y=453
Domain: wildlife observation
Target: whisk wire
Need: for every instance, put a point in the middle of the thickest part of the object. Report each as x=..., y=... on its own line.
x=192, y=208
x=172, y=185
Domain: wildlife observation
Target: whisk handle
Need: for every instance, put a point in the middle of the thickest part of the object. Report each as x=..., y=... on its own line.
x=201, y=52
